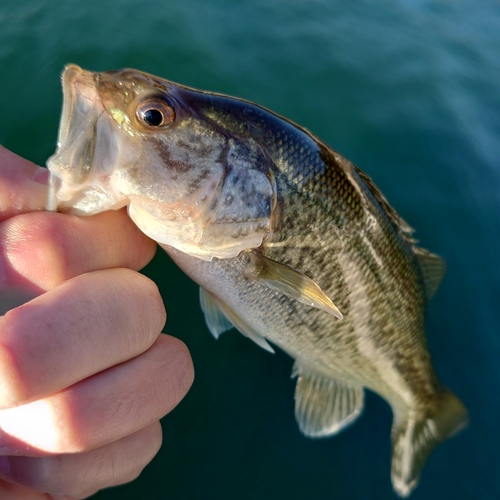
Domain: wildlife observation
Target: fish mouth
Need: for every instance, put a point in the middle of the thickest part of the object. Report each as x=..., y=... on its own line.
x=79, y=95
x=87, y=148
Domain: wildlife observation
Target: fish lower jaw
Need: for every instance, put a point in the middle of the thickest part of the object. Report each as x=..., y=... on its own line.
x=87, y=201
x=191, y=236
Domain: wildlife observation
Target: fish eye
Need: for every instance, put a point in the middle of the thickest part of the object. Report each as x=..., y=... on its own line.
x=155, y=113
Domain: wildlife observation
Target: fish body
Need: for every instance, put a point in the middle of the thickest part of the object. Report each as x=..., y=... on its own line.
x=289, y=241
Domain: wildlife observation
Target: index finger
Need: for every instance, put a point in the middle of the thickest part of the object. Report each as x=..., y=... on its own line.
x=23, y=185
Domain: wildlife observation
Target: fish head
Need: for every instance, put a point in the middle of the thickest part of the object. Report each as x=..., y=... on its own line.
x=191, y=179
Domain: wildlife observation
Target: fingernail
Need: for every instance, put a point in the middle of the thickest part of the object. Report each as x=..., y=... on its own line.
x=5, y=471
x=41, y=175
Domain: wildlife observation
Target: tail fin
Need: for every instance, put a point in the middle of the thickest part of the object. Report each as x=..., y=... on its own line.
x=414, y=437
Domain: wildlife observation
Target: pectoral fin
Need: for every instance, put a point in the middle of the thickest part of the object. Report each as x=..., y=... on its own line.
x=289, y=282
x=219, y=318
x=324, y=406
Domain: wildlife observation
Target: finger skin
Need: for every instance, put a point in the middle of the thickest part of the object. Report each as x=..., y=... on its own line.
x=23, y=185
x=81, y=475
x=82, y=327
x=39, y=251
x=11, y=491
x=103, y=408
x=94, y=422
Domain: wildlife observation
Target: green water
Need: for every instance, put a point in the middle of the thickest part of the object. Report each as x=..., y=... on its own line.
x=409, y=91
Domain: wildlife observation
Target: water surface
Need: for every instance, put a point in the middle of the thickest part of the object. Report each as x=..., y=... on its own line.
x=409, y=91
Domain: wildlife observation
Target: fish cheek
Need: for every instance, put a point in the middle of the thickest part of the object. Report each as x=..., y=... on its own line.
x=175, y=164
x=176, y=167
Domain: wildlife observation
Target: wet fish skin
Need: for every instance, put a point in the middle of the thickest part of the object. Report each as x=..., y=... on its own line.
x=237, y=195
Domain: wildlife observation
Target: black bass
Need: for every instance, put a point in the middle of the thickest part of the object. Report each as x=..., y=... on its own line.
x=290, y=242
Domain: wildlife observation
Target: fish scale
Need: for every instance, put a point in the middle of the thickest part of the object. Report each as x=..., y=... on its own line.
x=290, y=243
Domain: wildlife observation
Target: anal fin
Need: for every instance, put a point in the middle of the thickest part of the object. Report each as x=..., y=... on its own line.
x=324, y=406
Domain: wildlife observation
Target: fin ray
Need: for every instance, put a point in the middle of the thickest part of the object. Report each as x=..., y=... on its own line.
x=396, y=221
x=289, y=282
x=413, y=438
x=324, y=406
x=215, y=319
x=219, y=318
x=433, y=269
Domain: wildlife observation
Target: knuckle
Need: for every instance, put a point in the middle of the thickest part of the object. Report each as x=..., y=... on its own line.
x=133, y=474
x=74, y=430
x=152, y=314
x=155, y=435
x=120, y=231
x=141, y=308
x=181, y=352
x=179, y=370
x=151, y=440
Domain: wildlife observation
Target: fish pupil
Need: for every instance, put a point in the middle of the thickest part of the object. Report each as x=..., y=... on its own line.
x=153, y=117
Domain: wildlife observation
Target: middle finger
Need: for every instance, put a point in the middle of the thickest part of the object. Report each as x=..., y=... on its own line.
x=86, y=325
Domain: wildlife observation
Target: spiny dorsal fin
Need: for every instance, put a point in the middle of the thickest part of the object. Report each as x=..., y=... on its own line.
x=433, y=270
x=433, y=267
x=215, y=319
x=400, y=226
x=324, y=406
x=219, y=318
x=289, y=282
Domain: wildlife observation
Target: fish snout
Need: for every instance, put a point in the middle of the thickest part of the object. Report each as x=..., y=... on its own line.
x=87, y=147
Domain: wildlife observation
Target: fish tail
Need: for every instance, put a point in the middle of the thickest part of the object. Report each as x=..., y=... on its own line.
x=415, y=435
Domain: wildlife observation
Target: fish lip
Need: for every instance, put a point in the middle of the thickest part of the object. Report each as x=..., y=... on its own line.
x=90, y=201
x=79, y=114
x=71, y=77
x=87, y=149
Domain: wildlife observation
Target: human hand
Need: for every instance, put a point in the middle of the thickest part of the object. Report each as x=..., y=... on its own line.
x=85, y=374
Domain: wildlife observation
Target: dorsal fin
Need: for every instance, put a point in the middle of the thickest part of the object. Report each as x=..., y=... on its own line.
x=324, y=406
x=433, y=267
x=399, y=224
x=433, y=270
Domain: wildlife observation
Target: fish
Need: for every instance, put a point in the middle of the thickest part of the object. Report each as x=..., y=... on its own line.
x=290, y=242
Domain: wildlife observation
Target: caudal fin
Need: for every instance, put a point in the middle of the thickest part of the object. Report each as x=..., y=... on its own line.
x=414, y=437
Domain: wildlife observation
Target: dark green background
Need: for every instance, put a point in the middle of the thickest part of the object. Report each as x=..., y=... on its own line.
x=409, y=91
